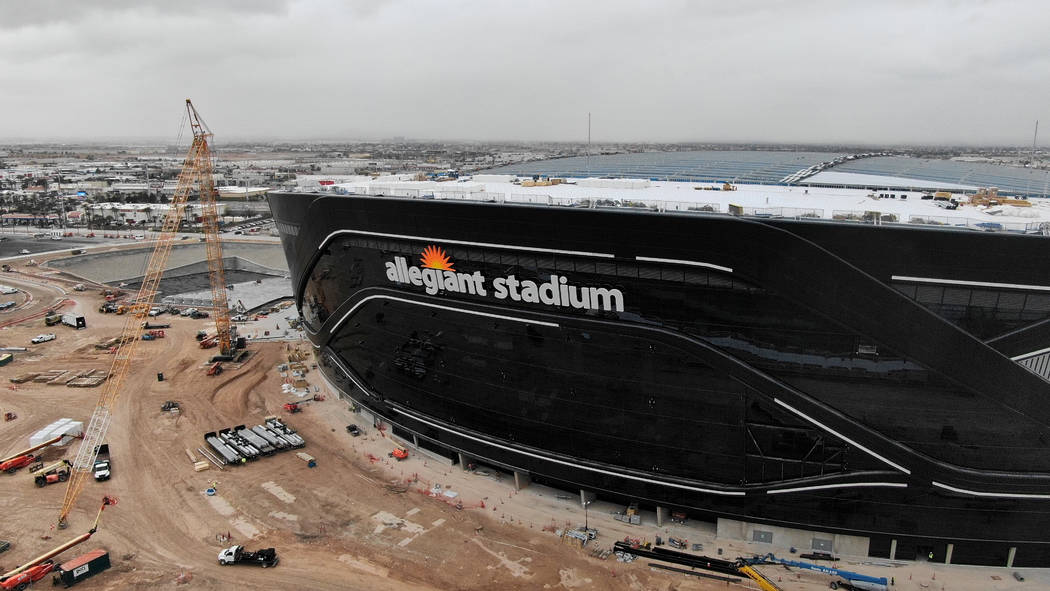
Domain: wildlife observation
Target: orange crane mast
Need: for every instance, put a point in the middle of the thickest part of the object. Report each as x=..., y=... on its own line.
x=197, y=171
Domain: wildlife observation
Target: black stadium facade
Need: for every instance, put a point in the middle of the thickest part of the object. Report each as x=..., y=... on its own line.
x=876, y=381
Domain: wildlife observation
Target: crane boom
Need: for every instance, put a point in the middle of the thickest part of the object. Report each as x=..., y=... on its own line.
x=196, y=171
x=858, y=580
x=210, y=221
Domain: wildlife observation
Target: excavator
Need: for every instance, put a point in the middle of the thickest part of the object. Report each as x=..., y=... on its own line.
x=39, y=567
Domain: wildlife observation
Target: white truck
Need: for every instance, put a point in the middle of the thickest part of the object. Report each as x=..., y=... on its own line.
x=238, y=555
x=101, y=468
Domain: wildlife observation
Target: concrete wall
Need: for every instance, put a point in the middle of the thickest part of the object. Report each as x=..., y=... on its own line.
x=106, y=267
x=784, y=537
x=228, y=263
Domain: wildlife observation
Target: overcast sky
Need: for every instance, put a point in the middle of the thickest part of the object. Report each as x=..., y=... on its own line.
x=730, y=70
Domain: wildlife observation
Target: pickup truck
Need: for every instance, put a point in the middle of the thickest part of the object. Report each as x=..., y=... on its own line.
x=238, y=555
x=102, y=463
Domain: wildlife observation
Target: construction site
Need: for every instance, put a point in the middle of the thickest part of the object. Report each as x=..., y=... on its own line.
x=158, y=448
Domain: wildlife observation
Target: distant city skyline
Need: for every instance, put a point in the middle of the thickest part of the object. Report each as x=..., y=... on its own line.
x=819, y=72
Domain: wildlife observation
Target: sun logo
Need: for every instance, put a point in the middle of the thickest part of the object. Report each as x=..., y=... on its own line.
x=435, y=258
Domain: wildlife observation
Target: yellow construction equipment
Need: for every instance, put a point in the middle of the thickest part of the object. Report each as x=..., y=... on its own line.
x=197, y=171
x=763, y=583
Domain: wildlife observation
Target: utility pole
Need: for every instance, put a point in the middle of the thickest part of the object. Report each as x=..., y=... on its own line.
x=1035, y=137
x=588, y=142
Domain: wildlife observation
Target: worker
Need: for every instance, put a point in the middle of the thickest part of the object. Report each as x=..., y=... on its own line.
x=931, y=555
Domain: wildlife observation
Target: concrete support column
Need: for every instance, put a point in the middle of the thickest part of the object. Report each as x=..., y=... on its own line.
x=586, y=497
x=660, y=516
x=521, y=480
x=1010, y=557
x=893, y=549
x=463, y=462
x=948, y=554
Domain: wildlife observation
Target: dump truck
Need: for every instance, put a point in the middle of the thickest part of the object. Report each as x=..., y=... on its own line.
x=238, y=555
x=52, y=319
x=101, y=468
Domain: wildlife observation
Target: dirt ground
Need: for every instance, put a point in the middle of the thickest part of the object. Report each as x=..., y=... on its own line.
x=349, y=523
x=357, y=521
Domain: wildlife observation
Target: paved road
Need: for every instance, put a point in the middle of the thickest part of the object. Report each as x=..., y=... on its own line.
x=13, y=245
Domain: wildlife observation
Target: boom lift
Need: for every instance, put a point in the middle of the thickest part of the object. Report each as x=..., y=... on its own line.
x=852, y=580
x=26, y=456
x=197, y=171
x=39, y=567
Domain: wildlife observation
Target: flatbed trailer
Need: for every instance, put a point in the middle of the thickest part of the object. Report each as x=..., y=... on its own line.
x=284, y=430
x=240, y=444
x=261, y=444
x=227, y=453
x=271, y=437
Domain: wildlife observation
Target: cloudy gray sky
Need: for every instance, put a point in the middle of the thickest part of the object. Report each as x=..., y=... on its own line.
x=741, y=70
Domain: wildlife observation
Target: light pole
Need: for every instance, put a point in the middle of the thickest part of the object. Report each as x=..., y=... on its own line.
x=586, y=524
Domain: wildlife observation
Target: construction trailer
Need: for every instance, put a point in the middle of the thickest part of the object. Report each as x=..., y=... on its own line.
x=75, y=320
x=82, y=567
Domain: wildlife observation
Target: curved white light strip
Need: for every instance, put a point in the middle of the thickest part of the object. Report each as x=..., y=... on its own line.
x=571, y=464
x=973, y=283
x=1024, y=356
x=466, y=243
x=840, y=485
x=988, y=494
x=449, y=308
x=683, y=262
x=839, y=435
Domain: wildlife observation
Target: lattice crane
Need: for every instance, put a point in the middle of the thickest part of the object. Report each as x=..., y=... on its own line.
x=197, y=171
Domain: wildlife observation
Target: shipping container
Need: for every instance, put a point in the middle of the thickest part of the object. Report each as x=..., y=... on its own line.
x=83, y=566
x=74, y=320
